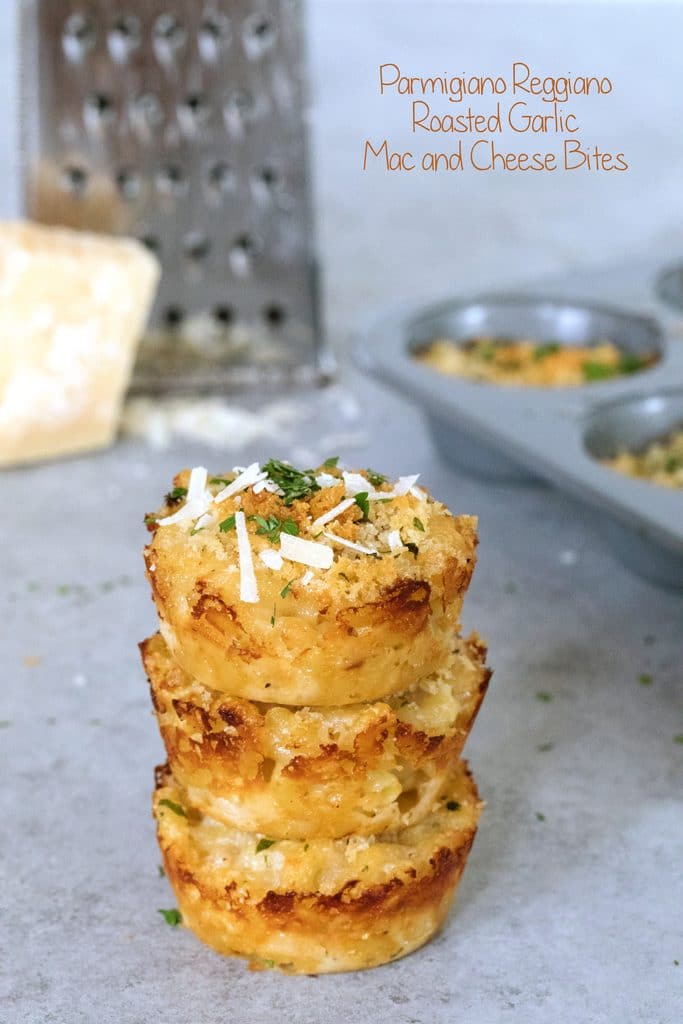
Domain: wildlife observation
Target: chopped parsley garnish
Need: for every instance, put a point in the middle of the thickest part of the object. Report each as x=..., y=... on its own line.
x=265, y=844
x=174, y=496
x=5, y=723
x=673, y=463
x=413, y=548
x=162, y=873
x=679, y=738
x=272, y=617
x=549, y=349
x=452, y=805
x=150, y=519
x=376, y=479
x=272, y=527
x=645, y=679
x=543, y=748
x=220, y=480
x=172, y=806
x=269, y=963
x=331, y=463
x=598, y=371
x=363, y=503
x=227, y=524
x=544, y=696
x=418, y=524
x=286, y=589
x=540, y=816
x=294, y=483
x=172, y=917
x=629, y=362
x=196, y=529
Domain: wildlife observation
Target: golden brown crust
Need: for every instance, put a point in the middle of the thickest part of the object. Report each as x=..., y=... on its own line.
x=322, y=905
x=367, y=627
x=300, y=773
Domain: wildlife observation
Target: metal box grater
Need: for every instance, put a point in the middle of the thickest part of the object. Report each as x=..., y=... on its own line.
x=183, y=123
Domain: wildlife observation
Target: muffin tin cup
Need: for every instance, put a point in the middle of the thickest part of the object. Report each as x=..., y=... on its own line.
x=556, y=434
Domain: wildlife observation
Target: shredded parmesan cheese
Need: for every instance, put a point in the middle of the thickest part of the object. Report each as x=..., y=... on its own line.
x=272, y=559
x=306, y=552
x=248, y=587
x=246, y=478
x=333, y=513
x=306, y=578
x=361, y=548
x=394, y=541
x=197, y=501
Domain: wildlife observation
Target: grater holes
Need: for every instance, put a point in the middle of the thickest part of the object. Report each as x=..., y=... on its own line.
x=78, y=37
x=214, y=35
x=147, y=112
x=274, y=315
x=168, y=37
x=125, y=37
x=220, y=178
x=98, y=110
x=258, y=36
x=264, y=183
x=223, y=315
x=173, y=317
x=194, y=112
x=241, y=256
x=75, y=179
x=196, y=246
x=171, y=180
x=128, y=183
x=239, y=110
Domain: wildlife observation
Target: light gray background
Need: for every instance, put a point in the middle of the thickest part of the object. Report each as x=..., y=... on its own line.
x=573, y=918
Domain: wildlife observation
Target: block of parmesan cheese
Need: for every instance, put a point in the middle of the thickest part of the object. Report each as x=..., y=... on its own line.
x=72, y=309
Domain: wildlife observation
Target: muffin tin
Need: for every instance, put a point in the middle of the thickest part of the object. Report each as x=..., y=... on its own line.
x=518, y=434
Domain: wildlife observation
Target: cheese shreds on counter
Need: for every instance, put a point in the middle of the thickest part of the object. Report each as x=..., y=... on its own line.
x=307, y=552
x=72, y=308
x=248, y=587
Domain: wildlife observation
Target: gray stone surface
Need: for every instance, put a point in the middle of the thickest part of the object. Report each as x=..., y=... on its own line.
x=572, y=916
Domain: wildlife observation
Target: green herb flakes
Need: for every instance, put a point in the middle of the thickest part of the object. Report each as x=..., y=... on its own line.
x=160, y=869
x=544, y=697
x=219, y=481
x=172, y=917
x=598, y=371
x=265, y=844
x=363, y=503
x=418, y=524
x=679, y=738
x=629, y=362
x=645, y=679
x=549, y=349
x=540, y=816
x=172, y=806
x=272, y=527
x=294, y=483
x=176, y=495
x=376, y=479
x=286, y=589
x=272, y=617
x=331, y=463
